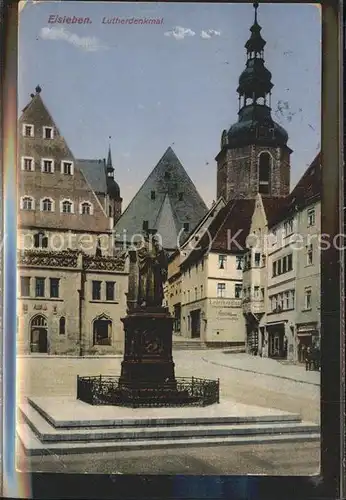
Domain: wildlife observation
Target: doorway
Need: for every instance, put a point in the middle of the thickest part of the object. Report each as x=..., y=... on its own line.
x=39, y=335
x=277, y=348
x=196, y=324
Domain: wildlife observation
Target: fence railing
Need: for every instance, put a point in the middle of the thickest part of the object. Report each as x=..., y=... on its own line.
x=181, y=391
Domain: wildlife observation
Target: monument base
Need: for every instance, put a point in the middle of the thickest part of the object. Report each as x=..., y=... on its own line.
x=147, y=371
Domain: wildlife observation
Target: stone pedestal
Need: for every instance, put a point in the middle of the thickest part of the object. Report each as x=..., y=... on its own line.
x=148, y=362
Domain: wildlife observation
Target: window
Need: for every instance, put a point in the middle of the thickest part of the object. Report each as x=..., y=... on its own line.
x=25, y=286
x=186, y=227
x=307, y=303
x=289, y=262
x=28, y=130
x=54, y=288
x=202, y=264
x=67, y=167
x=188, y=295
x=274, y=268
x=274, y=303
x=222, y=261
x=167, y=175
x=153, y=195
x=284, y=264
x=273, y=237
x=238, y=290
x=288, y=227
x=145, y=225
x=201, y=291
x=264, y=173
x=287, y=300
x=47, y=205
x=279, y=305
x=311, y=217
x=28, y=164
x=96, y=290
x=110, y=289
x=180, y=196
x=47, y=166
x=40, y=240
x=309, y=255
x=196, y=293
x=256, y=292
x=39, y=287
x=257, y=259
x=27, y=203
x=66, y=207
x=85, y=209
x=62, y=325
x=221, y=289
x=292, y=299
x=239, y=262
x=102, y=331
x=48, y=133
x=263, y=260
x=262, y=293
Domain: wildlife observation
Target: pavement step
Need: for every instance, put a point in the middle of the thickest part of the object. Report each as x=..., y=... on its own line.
x=47, y=433
x=32, y=445
x=189, y=420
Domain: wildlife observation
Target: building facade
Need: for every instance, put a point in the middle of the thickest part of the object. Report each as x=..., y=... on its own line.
x=71, y=281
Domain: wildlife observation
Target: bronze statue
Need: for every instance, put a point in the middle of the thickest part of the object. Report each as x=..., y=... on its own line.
x=148, y=273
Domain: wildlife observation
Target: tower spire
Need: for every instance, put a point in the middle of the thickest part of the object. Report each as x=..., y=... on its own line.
x=109, y=158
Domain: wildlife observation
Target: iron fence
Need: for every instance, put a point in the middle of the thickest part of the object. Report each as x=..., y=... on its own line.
x=181, y=391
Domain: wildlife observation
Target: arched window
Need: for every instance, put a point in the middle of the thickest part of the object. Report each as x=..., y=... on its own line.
x=66, y=207
x=27, y=203
x=40, y=240
x=62, y=325
x=264, y=169
x=47, y=205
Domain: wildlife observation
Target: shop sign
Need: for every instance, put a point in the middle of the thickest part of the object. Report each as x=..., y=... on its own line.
x=227, y=303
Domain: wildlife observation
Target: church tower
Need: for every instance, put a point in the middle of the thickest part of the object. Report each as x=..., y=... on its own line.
x=254, y=156
x=113, y=190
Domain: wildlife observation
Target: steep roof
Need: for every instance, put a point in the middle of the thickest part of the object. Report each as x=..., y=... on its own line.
x=95, y=173
x=228, y=231
x=167, y=200
x=306, y=191
x=272, y=206
x=54, y=185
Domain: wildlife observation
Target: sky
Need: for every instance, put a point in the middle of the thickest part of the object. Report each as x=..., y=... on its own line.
x=150, y=86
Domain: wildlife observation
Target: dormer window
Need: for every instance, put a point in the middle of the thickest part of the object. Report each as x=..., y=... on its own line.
x=28, y=130
x=48, y=132
x=47, y=166
x=67, y=167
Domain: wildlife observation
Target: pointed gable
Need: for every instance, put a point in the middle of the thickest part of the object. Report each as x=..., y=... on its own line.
x=168, y=193
x=55, y=185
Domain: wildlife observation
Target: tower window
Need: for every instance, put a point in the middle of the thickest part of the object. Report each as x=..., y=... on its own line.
x=186, y=227
x=264, y=173
x=145, y=225
x=181, y=196
x=153, y=195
